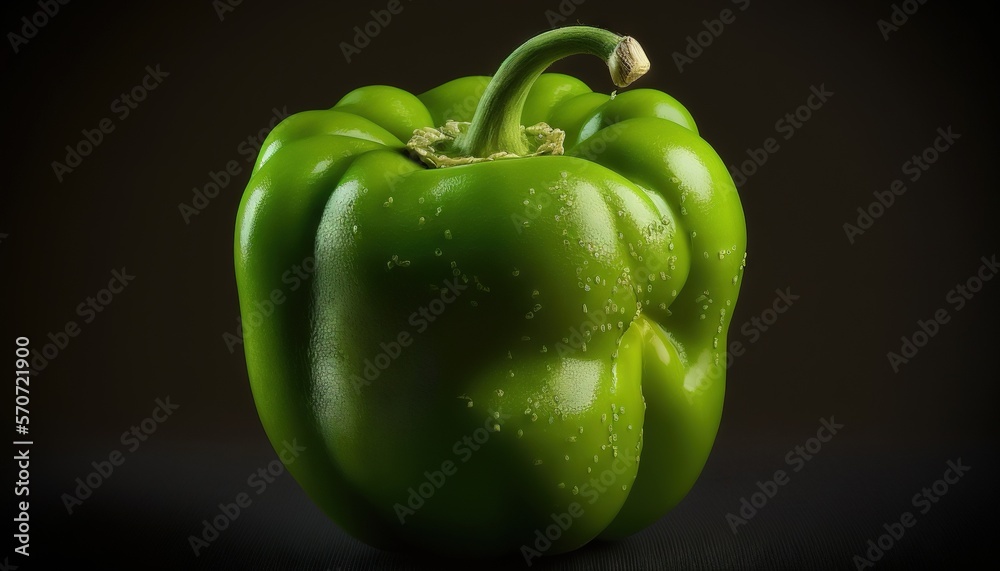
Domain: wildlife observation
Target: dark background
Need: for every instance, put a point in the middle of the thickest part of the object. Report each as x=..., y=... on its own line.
x=826, y=355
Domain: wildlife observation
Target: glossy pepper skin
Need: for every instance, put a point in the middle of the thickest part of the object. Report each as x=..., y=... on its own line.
x=478, y=350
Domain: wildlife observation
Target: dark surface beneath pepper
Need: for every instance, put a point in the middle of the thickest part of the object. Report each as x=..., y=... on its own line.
x=820, y=519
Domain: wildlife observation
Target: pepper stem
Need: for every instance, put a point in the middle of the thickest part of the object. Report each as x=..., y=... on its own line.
x=496, y=126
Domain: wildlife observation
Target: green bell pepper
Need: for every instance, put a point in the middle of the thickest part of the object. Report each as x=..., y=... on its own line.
x=517, y=289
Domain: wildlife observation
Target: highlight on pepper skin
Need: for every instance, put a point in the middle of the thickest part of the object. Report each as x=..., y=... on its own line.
x=513, y=339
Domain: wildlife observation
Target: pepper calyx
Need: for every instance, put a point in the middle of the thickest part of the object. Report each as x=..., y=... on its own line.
x=435, y=147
